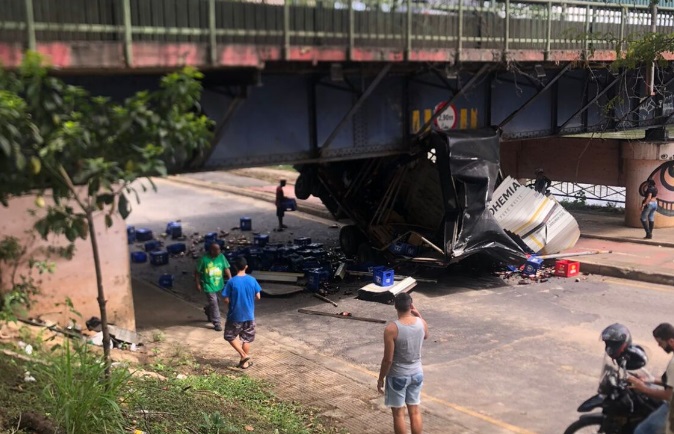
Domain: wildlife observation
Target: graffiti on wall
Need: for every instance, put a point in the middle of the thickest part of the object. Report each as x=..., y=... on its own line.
x=664, y=182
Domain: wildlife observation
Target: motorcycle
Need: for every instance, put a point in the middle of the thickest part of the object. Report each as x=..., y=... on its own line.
x=622, y=408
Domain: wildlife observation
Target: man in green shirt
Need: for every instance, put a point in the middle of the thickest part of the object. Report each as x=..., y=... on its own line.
x=209, y=278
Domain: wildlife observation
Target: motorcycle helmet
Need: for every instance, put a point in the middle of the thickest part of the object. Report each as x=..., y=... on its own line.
x=635, y=357
x=617, y=338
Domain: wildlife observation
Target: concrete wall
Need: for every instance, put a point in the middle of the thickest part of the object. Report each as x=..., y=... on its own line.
x=76, y=278
x=585, y=161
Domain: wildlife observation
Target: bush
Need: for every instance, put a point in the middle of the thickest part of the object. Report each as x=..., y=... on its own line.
x=77, y=397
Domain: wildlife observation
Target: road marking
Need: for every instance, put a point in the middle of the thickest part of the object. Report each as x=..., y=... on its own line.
x=475, y=414
x=642, y=285
x=456, y=407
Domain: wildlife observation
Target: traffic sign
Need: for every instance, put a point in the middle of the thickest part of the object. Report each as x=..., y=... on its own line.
x=447, y=120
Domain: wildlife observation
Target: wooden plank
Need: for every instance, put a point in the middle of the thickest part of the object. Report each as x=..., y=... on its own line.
x=273, y=276
x=396, y=276
x=402, y=286
x=337, y=315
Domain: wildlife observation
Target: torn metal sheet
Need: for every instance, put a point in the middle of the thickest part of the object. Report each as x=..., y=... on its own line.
x=468, y=163
x=276, y=276
x=537, y=222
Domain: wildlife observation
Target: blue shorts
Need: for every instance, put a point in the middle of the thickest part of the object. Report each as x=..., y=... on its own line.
x=401, y=391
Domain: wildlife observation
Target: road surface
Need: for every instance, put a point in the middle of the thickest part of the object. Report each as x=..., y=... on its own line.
x=508, y=357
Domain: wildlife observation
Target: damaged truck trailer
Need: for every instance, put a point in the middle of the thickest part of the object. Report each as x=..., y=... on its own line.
x=438, y=205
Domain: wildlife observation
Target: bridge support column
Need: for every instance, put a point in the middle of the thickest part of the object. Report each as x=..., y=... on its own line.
x=641, y=161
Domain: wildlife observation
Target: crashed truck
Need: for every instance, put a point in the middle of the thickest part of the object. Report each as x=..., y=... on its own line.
x=438, y=205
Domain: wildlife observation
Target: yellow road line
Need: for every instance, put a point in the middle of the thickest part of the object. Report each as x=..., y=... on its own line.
x=475, y=414
x=456, y=407
x=643, y=285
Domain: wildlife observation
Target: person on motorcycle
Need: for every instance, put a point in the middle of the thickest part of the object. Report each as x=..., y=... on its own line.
x=656, y=422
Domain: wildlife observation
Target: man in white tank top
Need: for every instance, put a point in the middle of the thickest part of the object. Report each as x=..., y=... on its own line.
x=401, y=365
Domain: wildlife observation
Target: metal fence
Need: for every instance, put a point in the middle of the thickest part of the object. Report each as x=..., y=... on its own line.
x=589, y=193
x=405, y=25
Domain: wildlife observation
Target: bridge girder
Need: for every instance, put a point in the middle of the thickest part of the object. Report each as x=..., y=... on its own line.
x=280, y=115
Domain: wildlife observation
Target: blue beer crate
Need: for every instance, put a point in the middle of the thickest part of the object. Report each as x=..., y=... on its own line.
x=310, y=264
x=411, y=250
x=221, y=243
x=271, y=253
x=143, y=234
x=174, y=230
x=533, y=265
x=279, y=268
x=296, y=262
x=138, y=257
x=260, y=240
x=131, y=234
x=397, y=248
x=289, y=204
x=159, y=257
x=152, y=245
x=383, y=276
x=176, y=248
x=166, y=280
x=302, y=241
x=404, y=249
x=315, y=277
x=246, y=224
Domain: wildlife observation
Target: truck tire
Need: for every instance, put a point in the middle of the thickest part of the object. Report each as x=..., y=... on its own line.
x=303, y=186
x=350, y=238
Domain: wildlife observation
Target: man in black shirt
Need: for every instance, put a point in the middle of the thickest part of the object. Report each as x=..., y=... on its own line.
x=542, y=182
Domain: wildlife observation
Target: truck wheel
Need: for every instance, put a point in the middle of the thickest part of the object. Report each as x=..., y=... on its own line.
x=349, y=239
x=365, y=253
x=303, y=186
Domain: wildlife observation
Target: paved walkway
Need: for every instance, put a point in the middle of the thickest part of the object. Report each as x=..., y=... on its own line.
x=632, y=257
x=341, y=391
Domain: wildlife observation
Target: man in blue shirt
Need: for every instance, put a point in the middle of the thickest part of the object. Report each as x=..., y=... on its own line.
x=239, y=296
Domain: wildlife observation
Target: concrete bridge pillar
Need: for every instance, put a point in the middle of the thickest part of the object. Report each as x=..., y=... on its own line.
x=643, y=161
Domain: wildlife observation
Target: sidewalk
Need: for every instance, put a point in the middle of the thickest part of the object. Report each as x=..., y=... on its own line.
x=341, y=391
x=632, y=256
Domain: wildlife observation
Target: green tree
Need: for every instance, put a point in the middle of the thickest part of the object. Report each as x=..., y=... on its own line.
x=86, y=151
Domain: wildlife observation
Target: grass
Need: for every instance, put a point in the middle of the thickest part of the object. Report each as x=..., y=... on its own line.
x=203, y=400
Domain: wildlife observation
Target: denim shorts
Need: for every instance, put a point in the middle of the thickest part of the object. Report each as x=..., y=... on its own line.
x=401, y=391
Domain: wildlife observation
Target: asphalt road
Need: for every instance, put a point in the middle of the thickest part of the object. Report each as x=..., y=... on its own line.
x=513, y=358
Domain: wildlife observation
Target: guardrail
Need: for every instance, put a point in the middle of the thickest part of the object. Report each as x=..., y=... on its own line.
x=404, y=25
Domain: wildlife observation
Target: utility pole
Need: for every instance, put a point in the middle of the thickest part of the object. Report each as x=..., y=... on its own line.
x=654, y=29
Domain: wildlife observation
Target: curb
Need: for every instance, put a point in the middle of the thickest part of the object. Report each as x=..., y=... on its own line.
x=259, y=195
x=632, y=241
x=626, y=273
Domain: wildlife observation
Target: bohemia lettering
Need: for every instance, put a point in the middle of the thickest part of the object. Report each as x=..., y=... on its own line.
x=498, y=203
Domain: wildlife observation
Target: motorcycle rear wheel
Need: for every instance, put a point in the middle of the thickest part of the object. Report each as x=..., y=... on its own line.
x=586, y=425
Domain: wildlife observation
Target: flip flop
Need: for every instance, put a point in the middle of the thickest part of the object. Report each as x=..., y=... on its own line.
x=246, y=367
x=243, y=362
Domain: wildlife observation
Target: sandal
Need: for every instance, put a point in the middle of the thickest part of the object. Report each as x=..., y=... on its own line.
x=243, y=362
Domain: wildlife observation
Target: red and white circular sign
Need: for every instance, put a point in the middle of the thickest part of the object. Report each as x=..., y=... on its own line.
x=447, y=120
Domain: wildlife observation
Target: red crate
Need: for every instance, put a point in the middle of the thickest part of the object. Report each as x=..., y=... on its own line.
x=566, y=268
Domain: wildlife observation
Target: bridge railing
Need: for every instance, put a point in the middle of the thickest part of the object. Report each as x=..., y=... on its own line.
x=394, y=24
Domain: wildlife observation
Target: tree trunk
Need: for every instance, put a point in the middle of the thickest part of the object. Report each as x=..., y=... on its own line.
x=101, y=294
